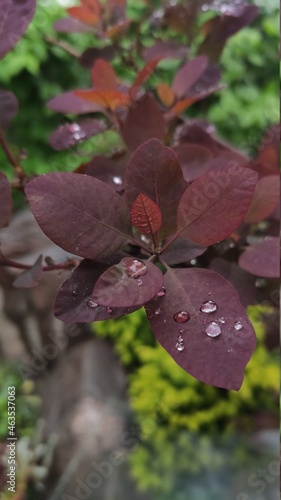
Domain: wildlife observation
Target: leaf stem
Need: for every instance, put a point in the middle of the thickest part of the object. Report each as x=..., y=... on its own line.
x=70, y=264
x=63, y=45
x=6, y=149
x=169, y=243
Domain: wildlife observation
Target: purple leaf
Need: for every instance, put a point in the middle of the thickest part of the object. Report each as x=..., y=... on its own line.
x=8, y=108
x=262, y=259
x=6, y=204
x=214, y=346
x=31, y=277
x=181, y=251
x=154, y=171
x=194, y=160
x=74, y=301
x=220, y=28
x=265, y=200
x=71, y=134
x=207, y=83
x=71, y=25
x=130, y=283
x=15, y=16
x=108, y=170
x=143, y=122
x=69, y=103
x=89, y=56
x=188, y=75
x=174, y=50
x=79, y=213
x=214, y=205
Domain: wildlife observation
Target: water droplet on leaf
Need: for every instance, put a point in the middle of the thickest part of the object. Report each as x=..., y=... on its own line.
x=181, y=317
x=208, y=306
x=222, y=320
x=117, y=180
x=180, y=344
x=161, y=292
x=158, y=311
x=91, y=303
x=139, y=282
x=238, y=326
x=213, y=329
x=135, y=268
x=75, y=293
x=109, y=310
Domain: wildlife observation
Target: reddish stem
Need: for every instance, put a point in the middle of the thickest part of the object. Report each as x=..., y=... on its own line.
x=70, y=264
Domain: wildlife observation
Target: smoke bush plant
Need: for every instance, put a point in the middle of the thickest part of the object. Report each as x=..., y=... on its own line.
x=171, y=194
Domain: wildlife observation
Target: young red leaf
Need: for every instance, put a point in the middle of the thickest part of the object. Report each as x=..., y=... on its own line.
x=69, y=103
x=67, y=136
x=145, y=74
x=15, y=17
x=165, y=94
x=79, y=213
x=181, y=106
x=83, y=14
x=188, y=75
x=262, y=259
x=214, y=205
x=202, y=325
x=103, y=76
x=154, y=171
x=6, y=205
x=265, y=200
x=146, y=215
x=74, y=302
x=107, y=98
x=8, y=107
x=130, y=283
x=145, y=120
x=31, y=277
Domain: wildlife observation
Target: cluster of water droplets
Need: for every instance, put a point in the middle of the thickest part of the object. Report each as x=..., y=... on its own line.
x=180, y=343
x=76, y=131
x=135, y=268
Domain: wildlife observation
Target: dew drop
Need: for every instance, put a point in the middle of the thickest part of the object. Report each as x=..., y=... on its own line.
x=74, y=127
x=135, y=268
x=208, y=306
x=91, y=303
x=193, y=262
x=161, y=292
x=181, y=331
x=181, y=317
x=150, y=316
x=75, y=293
x=180, y=344
x=222, y=320
x=238, y=326
x=139, y=282
x=158, y=311
x=209, y=293
x=109, y=310
x=260, y=283
x=117, y=180
x=213, y=329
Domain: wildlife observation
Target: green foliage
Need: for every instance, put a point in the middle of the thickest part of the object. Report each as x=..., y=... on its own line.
x=26, y=403
x=170, y=405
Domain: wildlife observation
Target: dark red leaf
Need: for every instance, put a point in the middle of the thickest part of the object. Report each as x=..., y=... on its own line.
x=220, y=28
x=145, y=120
x=8, y=107
x=154, y=171
x=67, y=136
x=146, y=215
x=69, y=103
x=79, y=213
x=182, y=251
x=268, y=156
x=171, y=49
x=265, y=200
x=90, y=55
x=71, y=25
x=262, y=259
x=103, y=76
x=194, y=160
x=214, y=205
x=116, y=32
x=188, y=75
x=130, y=283
x=15, y=16
x=31, y=277
x=74, y=301
x=181, y=327
x=6, y=204
x=108, y=170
